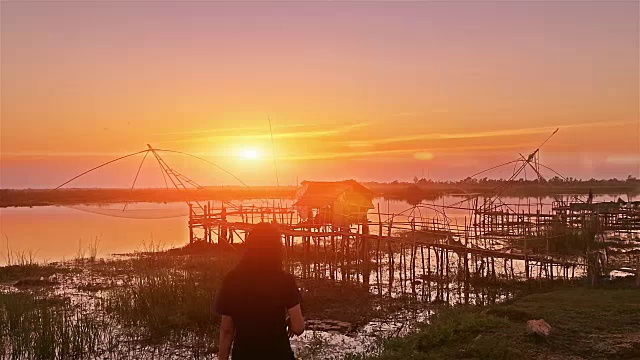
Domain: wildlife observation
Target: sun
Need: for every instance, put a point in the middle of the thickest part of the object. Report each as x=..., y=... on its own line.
x=249, y=153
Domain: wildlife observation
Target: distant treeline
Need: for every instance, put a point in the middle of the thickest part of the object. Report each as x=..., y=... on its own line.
x=39, y=197
x=413, y=192
x=421, y=189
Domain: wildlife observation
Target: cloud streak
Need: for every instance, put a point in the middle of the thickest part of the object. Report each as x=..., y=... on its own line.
x=480, y=134
x=306, y=134
x=382, y=153
x=227, y=130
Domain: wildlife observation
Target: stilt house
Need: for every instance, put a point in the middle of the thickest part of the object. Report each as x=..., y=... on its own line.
x=340, y=203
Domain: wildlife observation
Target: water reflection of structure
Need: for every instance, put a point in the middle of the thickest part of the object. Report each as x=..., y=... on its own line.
x=420, y=251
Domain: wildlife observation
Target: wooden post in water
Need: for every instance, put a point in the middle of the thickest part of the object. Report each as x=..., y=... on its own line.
x=442, y=263
x=326, y=267
x=493, y=268
x=190, y=223
x=526, y=259
x=334, y=257
x=422, y=259
x=638, y=271
x=223, y=216
x=412, y=270
x=448, y=256
x=401, y=270
x=356, y=248
x=429, y=263
x=316, y=257
x=378, y=275
x=365, y=261
x=346, y=237
x=391, y=259
x=207, y=233
x=305, y=254
x=466, y=276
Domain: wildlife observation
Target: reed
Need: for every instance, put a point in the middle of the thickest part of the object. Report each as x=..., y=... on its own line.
x=28, y=271
x=34, y=328
x=168, y=298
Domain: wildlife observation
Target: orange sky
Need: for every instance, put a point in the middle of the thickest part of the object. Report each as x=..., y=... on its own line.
x=372, y=91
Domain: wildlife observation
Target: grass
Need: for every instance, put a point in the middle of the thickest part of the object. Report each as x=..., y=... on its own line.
x=28, y=271
x=159, y=301
x=590, y=323
x=22, y=265
x=326, y=299
x=164, y=302
x=33, y=328
x=170, y=299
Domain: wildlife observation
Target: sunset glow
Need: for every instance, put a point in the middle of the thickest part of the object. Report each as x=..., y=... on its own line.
x=249, y=154
x=364, y=90
x=285, y=179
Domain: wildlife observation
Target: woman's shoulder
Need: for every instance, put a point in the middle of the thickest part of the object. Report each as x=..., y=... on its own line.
x=242, y=275
x=233, y=275
x=279, y=276
x=288, y=278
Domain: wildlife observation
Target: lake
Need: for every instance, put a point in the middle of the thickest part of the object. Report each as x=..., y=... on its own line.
x=56, y=233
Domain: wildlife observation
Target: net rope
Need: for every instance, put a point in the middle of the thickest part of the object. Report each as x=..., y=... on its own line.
x=129, y=213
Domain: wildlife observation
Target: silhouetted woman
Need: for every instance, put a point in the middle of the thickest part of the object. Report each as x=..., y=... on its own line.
x=254, y=299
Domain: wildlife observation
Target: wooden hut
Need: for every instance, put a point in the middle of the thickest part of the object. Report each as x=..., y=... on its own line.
x=339, y=203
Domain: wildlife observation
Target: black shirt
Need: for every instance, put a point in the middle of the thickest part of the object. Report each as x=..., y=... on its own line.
x=257, y=303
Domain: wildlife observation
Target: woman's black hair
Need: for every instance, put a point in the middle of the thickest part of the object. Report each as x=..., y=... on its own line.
x=263, y=248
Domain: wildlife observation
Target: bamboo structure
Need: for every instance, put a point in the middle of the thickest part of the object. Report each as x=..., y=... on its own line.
x=494, y=245
x=333, y=232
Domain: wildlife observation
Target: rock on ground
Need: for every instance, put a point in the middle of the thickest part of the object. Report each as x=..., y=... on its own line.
x=538, y=327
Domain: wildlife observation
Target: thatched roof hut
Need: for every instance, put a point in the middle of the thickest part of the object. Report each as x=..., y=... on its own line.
x=340, y=202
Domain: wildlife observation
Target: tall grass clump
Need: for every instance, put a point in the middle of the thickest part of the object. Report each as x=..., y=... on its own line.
x=170, y=302
x=18, y=272
x=23, y=264
x=33, y=328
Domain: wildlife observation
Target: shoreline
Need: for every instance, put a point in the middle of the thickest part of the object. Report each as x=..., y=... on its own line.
x=410, y=192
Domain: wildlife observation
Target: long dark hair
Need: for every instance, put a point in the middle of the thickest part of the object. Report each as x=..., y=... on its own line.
x=263, y=248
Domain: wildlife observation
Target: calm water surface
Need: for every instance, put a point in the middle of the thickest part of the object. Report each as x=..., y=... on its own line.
x=54, y=233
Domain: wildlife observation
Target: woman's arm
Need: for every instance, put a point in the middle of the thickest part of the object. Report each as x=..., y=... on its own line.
x=296, y=321
x=227, y=332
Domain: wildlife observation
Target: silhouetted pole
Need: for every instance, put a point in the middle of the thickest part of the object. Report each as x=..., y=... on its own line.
x=638, y=272
x=190, y=223
x=365, y=251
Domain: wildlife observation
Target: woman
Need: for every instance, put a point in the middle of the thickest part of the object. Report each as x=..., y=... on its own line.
x=254, y=299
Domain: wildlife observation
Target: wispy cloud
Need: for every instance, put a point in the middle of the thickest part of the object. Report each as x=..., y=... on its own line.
x=228, y=130
x=406, y=114
x=480, y=134
x=65, y=154
x=623, y=159
x=303, y=134
x=416, y=152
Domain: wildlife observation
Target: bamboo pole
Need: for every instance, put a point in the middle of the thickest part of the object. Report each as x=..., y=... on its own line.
x=364, y=240
x=334, y=261
x=191, y=223
x=638, y=271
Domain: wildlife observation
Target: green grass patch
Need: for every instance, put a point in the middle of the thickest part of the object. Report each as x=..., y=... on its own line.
x=590, y=323
x=448, y=330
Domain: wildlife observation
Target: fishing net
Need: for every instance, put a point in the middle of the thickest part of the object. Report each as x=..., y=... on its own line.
x=158, y=212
